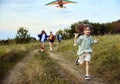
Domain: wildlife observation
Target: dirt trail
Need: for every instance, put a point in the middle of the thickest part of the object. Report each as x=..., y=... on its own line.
x=73, y=71
x=15, y=74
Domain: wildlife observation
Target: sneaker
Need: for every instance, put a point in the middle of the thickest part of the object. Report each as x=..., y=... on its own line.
x=51, y=49
x=42, y=50
x=76, y=62
x=87, y=77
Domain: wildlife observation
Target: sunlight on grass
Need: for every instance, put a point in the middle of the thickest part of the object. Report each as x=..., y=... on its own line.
x=105, y=57
x=42, y=70
x=4, y=49
x=11, y=54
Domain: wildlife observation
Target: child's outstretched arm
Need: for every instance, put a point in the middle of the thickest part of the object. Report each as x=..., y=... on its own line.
x=94, y=41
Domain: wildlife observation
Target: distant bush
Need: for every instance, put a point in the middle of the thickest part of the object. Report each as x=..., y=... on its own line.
x=7, y=42
x=22, y=35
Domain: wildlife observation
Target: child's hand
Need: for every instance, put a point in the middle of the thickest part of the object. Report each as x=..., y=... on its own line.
x=76, y=35
x=96, y=40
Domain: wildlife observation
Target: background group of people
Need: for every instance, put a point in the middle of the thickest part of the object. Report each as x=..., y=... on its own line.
x=51, y=38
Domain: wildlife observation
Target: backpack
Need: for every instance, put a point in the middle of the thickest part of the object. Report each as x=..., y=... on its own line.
x=52, y=37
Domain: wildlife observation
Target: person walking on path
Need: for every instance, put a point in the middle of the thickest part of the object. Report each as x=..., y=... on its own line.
x=59, y=38
x=42, y=37
x=51, y=40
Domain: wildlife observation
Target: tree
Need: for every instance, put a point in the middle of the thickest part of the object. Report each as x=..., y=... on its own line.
x=22, y=35
x=66, y=33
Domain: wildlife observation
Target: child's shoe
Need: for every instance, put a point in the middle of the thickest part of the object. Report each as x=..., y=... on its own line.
x=76, y=62
x=87, y=77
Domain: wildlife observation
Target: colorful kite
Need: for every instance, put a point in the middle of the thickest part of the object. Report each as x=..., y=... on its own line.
x=60, y=3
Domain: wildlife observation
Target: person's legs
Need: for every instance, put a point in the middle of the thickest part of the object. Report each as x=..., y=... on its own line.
x=58, y=43
x=51, y=46
x=42, y=46
x=87, y=60
x=87, y=68
x=87, y=76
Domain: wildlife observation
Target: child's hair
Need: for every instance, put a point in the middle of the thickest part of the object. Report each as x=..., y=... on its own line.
x=80, y=28
x=43, y=32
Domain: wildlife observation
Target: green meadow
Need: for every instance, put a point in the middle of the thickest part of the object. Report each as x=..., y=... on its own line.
x=42, y=70
x=105, y=62
x=11, y=54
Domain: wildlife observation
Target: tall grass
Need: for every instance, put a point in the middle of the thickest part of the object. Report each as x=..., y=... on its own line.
x=105, y=60
x=11, y=54
x=4, y=49
x=42, y=70
x=106, y=57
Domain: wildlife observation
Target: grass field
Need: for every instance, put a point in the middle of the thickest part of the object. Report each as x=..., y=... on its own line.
x=42, y=70
x=4, y=49
x=105, y=62
x=11, y=54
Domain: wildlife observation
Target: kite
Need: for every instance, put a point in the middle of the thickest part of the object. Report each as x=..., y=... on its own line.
x=60, y=3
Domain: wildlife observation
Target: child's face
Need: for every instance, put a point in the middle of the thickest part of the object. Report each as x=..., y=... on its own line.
x=87, y=31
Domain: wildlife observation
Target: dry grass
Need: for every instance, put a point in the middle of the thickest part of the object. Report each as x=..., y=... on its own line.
x=105, y=61
x=11, y=54
x=42, y=70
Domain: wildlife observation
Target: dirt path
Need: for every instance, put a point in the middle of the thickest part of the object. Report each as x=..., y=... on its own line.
x=15, y=74
x=73, y=70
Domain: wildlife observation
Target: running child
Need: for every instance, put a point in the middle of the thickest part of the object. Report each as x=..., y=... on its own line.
x=59, y=38
x=51, y=40
x=84, y=42
x=42, y=37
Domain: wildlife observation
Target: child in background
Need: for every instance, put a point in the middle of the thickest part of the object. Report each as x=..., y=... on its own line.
x=42, y=37
x=84, y=42
x=59, y=38
x=51, y=40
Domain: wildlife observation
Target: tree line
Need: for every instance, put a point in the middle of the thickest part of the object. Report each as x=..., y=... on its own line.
x=99, y=28
x=23, y=35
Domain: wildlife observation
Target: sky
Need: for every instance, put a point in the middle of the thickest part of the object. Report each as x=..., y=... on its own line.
x=35, y=16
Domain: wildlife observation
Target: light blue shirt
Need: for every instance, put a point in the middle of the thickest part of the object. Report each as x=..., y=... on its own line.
x=59, y=37
x=84, y=44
